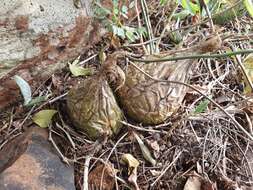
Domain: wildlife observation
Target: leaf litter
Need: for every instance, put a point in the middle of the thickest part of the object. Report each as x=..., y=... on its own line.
x=204, y=150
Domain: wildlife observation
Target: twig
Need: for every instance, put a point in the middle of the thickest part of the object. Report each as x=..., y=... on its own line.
x=165, y=170
x=148, y=24
x=57, y=98
x=224, y=160
x=243, y=69
x=68, y=135
x=89, y=58
x=166, y=27
x=203, y=3
x=141, y=44
x=139, y=25
x=86, y=173
x=26, y=117
x=199, y=56
x=50, y=138
x=51, y=101
x=142, y=129
x=6, y=141
x=114, y=147
x=97, y=146
x=203, y=152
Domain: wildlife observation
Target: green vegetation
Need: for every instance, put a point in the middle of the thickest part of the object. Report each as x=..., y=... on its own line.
x=114, y=20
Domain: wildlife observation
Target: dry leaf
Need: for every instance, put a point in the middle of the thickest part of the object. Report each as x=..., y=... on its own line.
x=207, y=185
x=133, y=179
x=154, y=145
x=132, y=163
x=44, y=117
x=24, y=88
x=145, y=151
x=193, y=183
x=115, y=42
x=197, y=182
x=107, y=172
x=248, y=66
x=78, y=70
x=155, y=173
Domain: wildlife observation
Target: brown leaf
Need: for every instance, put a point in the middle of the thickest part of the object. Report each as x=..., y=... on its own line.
x=197, y=182
x=115, y=42
x=105, y=174
x=193, y=183
x=195, y=19
x=132, y=163
x=133, y=179
x=58, y=84
x=207, y=185
x=154, y=145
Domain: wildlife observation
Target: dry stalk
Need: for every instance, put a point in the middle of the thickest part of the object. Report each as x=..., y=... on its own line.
x=50, y=138
x=243, y=69
x=142, y=129
x=166, y=168
x=86, y=173
x=108, y=157
x=204, y=56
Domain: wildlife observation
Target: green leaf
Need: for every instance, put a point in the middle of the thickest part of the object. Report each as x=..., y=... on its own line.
x=130, y=33
x=118, y=31
x=130, y=36
x=24, y=88
x=36, y=100
x=249, y=6
x=124, y=9
x=176, y=37
x=193, y=8
x=44, y=117
x=142, y=31
x=100, y=11
x=181, y=15
x=115, y=3
x=201, y=107
x=116, y=11
x=163, y=2
x=145, y=151
x=77, y=70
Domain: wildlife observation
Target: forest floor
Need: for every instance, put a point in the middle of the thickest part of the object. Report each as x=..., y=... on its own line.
x=205, y=145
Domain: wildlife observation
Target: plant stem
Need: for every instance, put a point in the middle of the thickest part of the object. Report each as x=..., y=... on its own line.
x=204, y=56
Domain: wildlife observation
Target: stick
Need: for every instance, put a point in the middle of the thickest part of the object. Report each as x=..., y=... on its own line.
x=204, y=56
